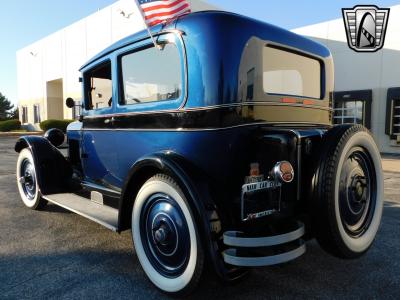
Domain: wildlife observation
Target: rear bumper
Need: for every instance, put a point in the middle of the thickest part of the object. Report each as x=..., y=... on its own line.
x=250, y=251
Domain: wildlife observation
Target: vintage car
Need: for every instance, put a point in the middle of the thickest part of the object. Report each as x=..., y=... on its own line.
x=216, y=148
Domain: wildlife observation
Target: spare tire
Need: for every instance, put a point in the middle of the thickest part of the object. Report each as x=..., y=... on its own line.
x=347, y=202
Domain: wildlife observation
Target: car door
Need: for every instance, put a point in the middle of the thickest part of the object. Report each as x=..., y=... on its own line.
x=151, y=86
x=98, y=151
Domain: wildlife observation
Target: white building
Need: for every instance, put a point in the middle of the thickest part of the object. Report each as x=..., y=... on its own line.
x=48, y=70
x=367, y=85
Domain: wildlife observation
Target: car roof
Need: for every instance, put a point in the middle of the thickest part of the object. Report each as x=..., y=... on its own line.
x=184, y=23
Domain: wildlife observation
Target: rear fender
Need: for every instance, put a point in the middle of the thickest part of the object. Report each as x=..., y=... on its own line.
x=54, y=172
x=196, y=189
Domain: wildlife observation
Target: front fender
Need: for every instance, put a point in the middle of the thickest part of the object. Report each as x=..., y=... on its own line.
x=53, y=169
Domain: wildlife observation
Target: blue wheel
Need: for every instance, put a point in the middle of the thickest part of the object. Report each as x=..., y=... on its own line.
x=165, y=236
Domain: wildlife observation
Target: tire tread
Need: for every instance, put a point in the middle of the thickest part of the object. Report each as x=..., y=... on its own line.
x=324, y=215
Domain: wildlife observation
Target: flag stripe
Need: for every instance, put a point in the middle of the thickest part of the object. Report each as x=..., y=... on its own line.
x=161, y=19
x=157, y=11
x=170, y=13
x=166, y=10
x=157, y=2
x=161, y=6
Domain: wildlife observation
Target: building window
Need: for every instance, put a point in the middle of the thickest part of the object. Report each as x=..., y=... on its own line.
x=349, y=112
x=24, y=114
x=353, y=107
x=152, y=75
x=36, y=113
x=393, y=114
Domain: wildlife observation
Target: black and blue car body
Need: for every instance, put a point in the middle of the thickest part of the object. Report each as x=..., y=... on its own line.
x=216, y=146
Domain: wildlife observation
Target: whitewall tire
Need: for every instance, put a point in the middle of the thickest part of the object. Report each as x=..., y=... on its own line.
x=165, y=236
x=360, y=243
x=27, y=181
x=350, y=201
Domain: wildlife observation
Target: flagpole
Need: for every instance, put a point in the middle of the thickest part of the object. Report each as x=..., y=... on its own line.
x=147, y=26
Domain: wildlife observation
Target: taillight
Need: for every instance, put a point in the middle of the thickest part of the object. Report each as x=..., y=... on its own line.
x=283, y=171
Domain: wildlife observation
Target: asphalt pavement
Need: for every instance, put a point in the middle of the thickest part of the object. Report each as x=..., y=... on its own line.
x=60, y=255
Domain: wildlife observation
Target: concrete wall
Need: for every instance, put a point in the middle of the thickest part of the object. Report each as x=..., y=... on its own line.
x=361, y=71
x=60, y=55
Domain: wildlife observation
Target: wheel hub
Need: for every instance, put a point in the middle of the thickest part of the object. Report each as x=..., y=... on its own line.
x=165, y=235
x=28, y=179
x=160, y=235
x=359, y=188
x=356, y=192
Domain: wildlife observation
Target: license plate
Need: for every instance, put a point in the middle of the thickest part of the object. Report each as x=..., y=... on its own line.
x=260, y=199
x=263, y=185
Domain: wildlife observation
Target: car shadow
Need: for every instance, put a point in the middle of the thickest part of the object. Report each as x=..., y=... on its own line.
x=53, y=208
x=106, y=266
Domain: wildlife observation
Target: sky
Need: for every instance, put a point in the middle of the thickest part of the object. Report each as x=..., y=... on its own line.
x=23, y=22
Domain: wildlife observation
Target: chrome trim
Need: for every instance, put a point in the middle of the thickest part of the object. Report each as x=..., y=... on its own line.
x=261, y=103
x=262, y=185
x=301, y=51
x=202, y=129
x=200, y=108
x=232, y=238
x=299, y=169
x=110, y=51
x=186, y=97
x=97, y=197
x=231, y=257
x=260, y=214
x=321, y=132
x=299, y=161
x=104, y=189
x=120, y=52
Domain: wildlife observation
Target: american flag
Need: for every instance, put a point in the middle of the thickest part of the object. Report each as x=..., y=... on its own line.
x=157, y=11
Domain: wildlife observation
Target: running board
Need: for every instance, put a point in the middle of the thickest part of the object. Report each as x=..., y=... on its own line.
x=103, y=215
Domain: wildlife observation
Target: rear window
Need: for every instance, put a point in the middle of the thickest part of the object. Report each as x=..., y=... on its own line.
x=288, y=73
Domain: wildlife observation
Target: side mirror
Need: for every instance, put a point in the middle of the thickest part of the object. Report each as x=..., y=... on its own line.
x=70, y=103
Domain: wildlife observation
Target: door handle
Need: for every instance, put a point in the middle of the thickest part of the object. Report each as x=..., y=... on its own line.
x=109, y=121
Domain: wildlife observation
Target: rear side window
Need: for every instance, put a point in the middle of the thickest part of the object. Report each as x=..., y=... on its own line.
x=151, y=75
x=288, y=73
